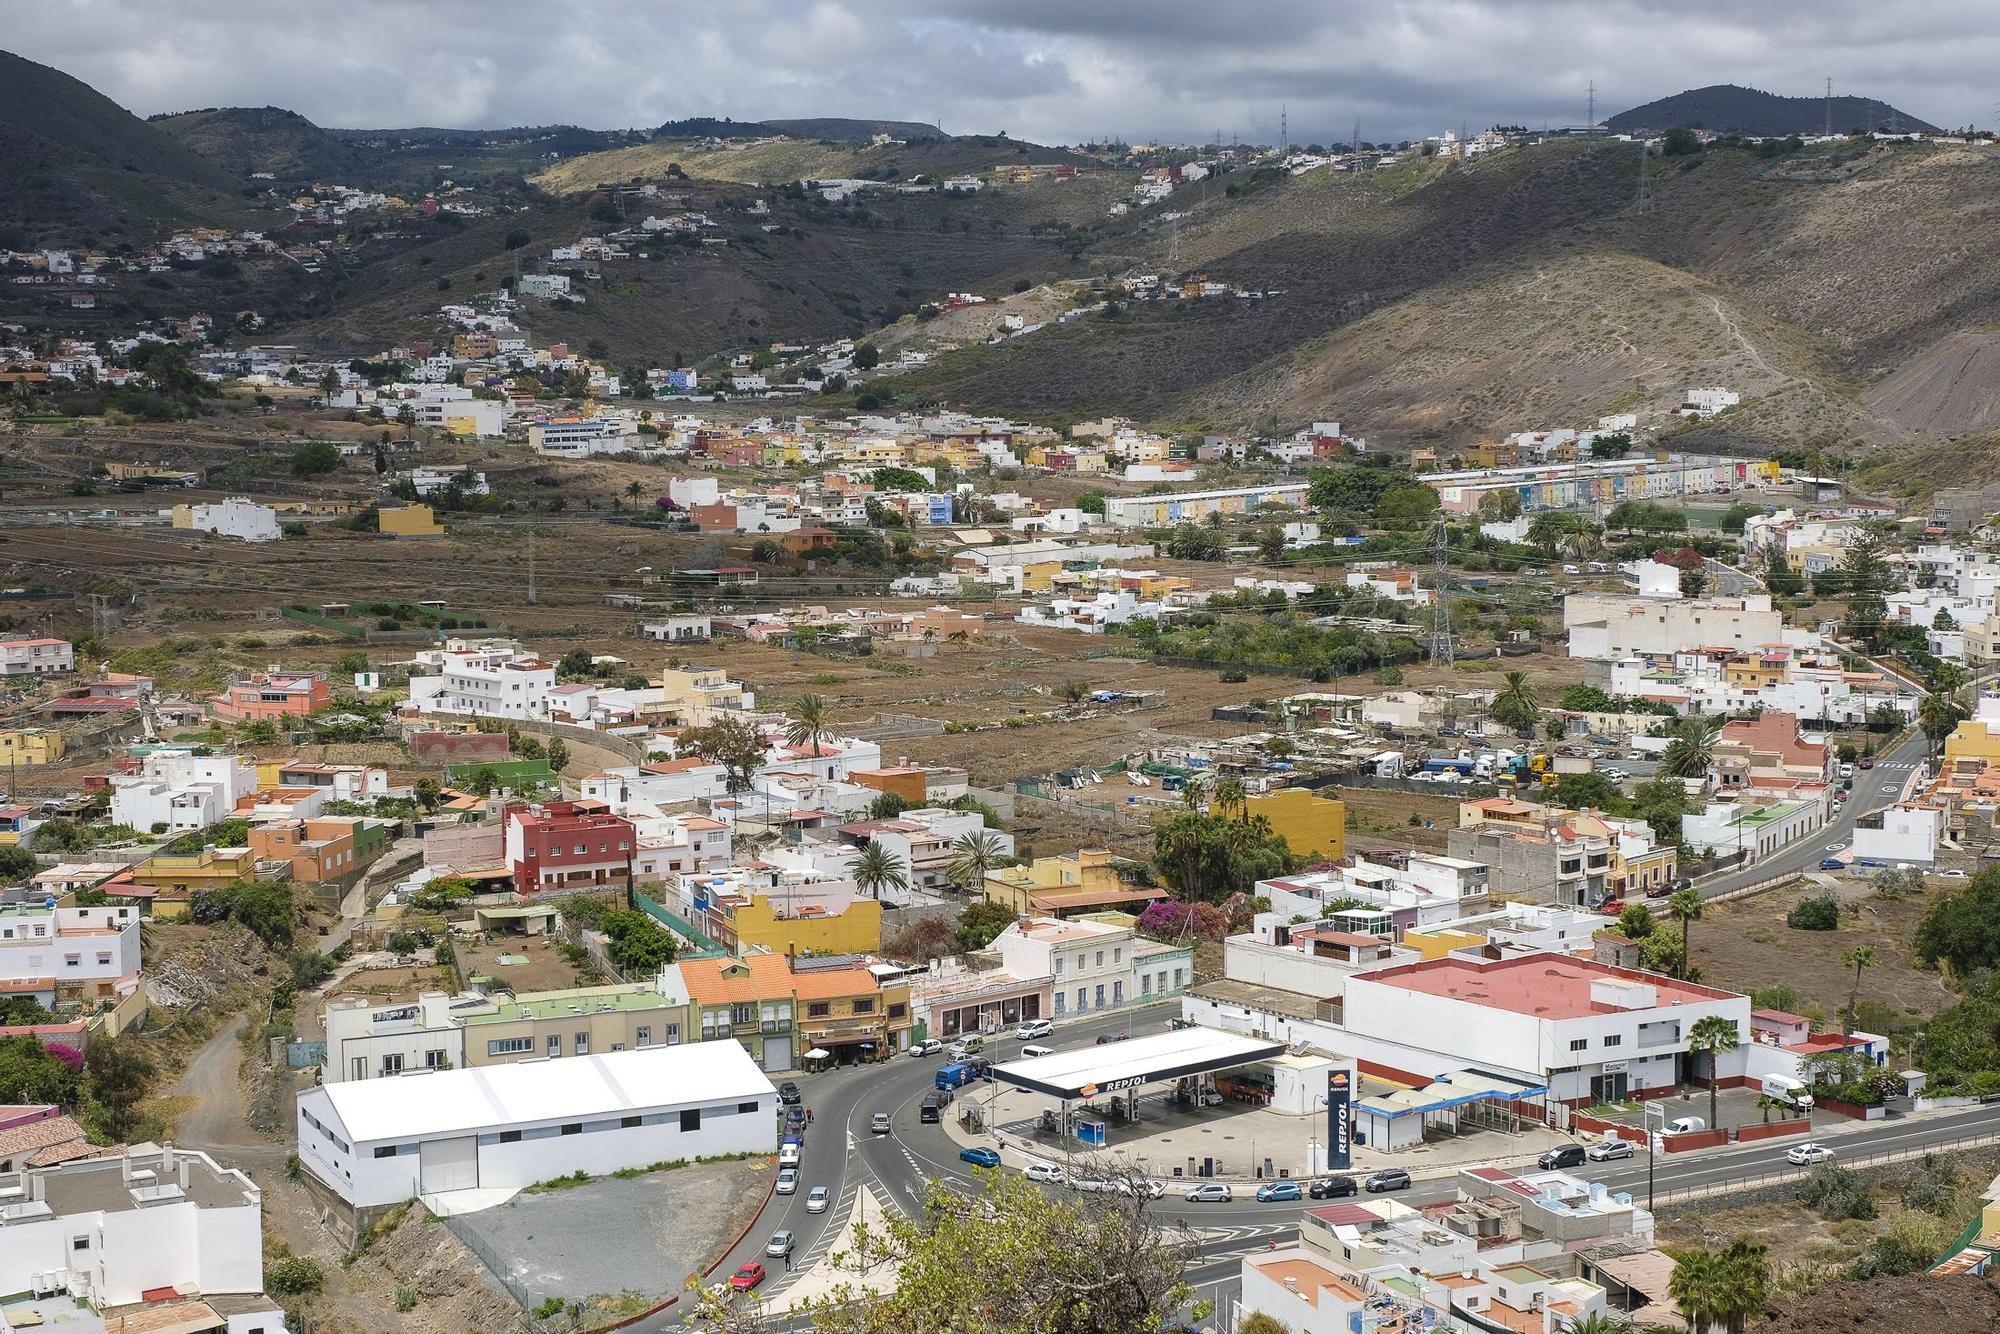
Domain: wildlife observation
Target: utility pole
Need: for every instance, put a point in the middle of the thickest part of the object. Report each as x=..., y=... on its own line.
x=1590, y=107
x=1284, y=131
x=1443, y=651
x=1829, y=107
x=1355, y=143
x=531, y=564
x=1644, y=203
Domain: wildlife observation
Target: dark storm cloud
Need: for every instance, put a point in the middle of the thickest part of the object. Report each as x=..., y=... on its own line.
x=1041, y=69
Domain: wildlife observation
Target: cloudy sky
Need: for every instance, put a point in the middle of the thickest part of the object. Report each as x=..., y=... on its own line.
x=1048, y=70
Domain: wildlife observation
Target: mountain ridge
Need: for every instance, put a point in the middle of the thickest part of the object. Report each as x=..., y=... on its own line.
x=1727, y=108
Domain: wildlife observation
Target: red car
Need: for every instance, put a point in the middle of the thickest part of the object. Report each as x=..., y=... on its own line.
x=748, y=1277
x=1612, y=907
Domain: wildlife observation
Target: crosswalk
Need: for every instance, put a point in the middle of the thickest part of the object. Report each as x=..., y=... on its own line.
x=836, y=1224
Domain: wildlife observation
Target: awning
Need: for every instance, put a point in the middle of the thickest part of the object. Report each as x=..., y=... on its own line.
x=1085, y=1072
x=1455, y=1089
x=818, y=1054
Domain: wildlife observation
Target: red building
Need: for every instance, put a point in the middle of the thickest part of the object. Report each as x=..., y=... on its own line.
x=565, y=846
x=272, y=695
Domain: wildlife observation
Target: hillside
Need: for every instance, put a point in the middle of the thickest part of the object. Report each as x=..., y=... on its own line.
x=1724, y=108
x=789, y=158
x=71, y=157
x=860, y=131
x=243, y=140
x=1433, y=303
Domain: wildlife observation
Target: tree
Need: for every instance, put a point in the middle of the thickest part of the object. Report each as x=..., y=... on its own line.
x=119, y=1075
x=973, y=855
x=1860, y=958
x=427, y=792
x=734, y=743
x=557, y=754
x=1693, y=580
x=1680, y=141
x=887, y=806
x=1207, y=857
x=1938, y=714
x=17, y=864
x=1712, y=1036
x=1635, y=921
x=315, y=459
x=30, y=1073
x=1515, y=704
x=1500, y=506
x=1610, y=445
x=876, y=868
x=1012, y=1256
x=809, y=715
x=639, y=945
x=981, y=923
x=1865, y=574
x=1259, y=1323
x=921, y=941
x=1550, y=529
x=575, y=663
x=1230, y=798
x=1684, y=906
x=634, y=489
x=1691, y=749
x=1962, y=928
x=867, y=357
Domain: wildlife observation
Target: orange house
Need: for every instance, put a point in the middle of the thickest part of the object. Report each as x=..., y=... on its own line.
x=319, y=849
x=272, y=695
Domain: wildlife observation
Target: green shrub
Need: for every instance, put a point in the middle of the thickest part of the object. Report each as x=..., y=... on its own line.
x=1821, y=912
x=293, y=1276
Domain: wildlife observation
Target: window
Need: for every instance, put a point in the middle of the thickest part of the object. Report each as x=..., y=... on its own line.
x=583, y=1044
x=555, y=1044
x=898, y=1010
x=573, y=1128
x=509, y=1046
x=691, y=1119
x=746, y=1108
x=628, y=1123
x=1059, y=1003
x=818, y=1009
x=743, y=1014
x=1616, y=1039
x=1118, y=955
x=864, y=1005
x=1100, y=958
x=392, y=1063
x=434, y=1059
x=618, y=1046
x=79, y=1243
x=673, y=1035
x=510, y=1137
x=385, y=1151
x=1578, y=1044
x=1083, y=998
x=1117, y=993
x=1178, y=979
x=1059, y=965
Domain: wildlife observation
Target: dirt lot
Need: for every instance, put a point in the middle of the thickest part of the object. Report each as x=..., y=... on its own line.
x=541, y=967
x=1382, y=816
x=1745, y=945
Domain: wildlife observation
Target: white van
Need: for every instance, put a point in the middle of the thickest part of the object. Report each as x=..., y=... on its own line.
x=1031, y=1051
x=1685, y=1125
x=1785, y=1089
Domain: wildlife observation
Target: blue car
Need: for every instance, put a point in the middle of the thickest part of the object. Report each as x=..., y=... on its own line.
x=980, y=1157
x=1278, y=1192
x=1832, y=864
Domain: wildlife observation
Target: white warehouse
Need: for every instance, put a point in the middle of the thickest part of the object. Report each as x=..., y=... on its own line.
x=377, y=1142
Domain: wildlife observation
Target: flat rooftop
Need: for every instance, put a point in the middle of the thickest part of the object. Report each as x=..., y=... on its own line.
x=1546, y=986
x=1084, y=1072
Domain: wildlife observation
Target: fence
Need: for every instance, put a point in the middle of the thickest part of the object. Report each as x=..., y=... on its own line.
x=898, y=727
x=1778, y=1176
x=500, y=1271
x=676, y=923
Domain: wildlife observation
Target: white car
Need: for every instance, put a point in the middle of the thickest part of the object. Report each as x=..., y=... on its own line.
x=1805, y=1155
x=1607, y=1150
x=1048, y=1172
x=928, y=1047
x=1209, y=1192
x=1036, y=1028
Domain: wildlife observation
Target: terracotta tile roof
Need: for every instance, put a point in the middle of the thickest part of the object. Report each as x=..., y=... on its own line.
x=768, y=977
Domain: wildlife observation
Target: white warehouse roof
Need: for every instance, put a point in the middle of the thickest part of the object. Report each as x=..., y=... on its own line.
x=463, y=1102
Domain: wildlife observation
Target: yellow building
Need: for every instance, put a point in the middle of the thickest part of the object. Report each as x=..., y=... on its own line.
x=30, y=745
x=1438, y=941
x=1311, y=825
x=409, y=521
x=176, y=877
x=1040, y=577
x=755, y=923
x=1976, y=741
x=693, y=692
x=1068, y=886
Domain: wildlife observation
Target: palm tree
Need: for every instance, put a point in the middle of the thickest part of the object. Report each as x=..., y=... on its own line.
x=1547, y=531
x=1744, y=1271
x=973, y=855
x=1860, y=958
x=1713, y=1036
x=1600, y=1322
x=1230, y=796
x=1696, y=1289
x=1939, y=714
x=1194, y=792
x=1684, y=906
x=634, y=489
x=1515, y=703
x=877, y=869
x=960, y=638
x=1691, y=749
x=809, y=719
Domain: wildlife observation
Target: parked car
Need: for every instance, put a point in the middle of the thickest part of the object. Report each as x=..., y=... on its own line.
x=1658, y=891
x=1210, y=1098
x=1686, y=1125
x=1832, y=864
x=1279, y=1192
x=879, y=1124
x=1048, y=1172
x=1953, y=874
x=980, y=1156
x=1868, y=761
x=780, y=1244
x=1565, y=1155
x=1332, y=1188
x=788, y=1181
x=1209, y=1192
x=928, y=1047
x=788, y=1154
x=795, y=1121
x=1389, y=1178
x=1035, y=1028
x=747, y=1277
x=1612, y=907
x=817, y=1200
x=1103, y=1038
x=1609, y=1150
x=788, y=1093
x=1805, y=1155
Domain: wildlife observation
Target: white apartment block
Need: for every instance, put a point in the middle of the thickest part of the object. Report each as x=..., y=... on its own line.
x=1609, y=626
x=1096, y=966
x=36, y=657
x=238, y=517
x=1415, y=889
x=578, y=438
x=110, y=1230
x=176, y=791
x=503, y=683
x=69, y=954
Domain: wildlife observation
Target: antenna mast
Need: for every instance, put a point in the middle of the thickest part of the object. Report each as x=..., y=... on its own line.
x=1356, y=145
x=1284, y=131
x=1590, y=107
x=1443, y=651
x=1829, y=107
x=1644, y=203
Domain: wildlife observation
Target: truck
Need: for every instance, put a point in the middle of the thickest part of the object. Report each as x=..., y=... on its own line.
x=955, y=1075
x=1786, y=1089
x=1455, y=766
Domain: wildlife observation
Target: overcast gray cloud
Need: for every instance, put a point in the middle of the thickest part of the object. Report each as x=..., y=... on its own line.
x=1050, y=70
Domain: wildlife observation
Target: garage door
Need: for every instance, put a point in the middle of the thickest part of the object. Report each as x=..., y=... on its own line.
x=450, y=1164
x=777, y=1053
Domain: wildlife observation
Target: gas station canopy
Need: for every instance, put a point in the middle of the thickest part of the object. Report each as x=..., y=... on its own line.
x=1113, y=1067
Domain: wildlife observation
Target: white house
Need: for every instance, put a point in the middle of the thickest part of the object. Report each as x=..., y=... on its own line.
x=502, y=683
x=1610, y=626
x=111, y=1230
x=1899, y=834
x=1754, y=830
x=47, y=954
x=678, y=628
x=378, y=1142
x=238, y=517
x=176, y=790
x=1708, y=402
x=36, y=657
x=1095, y=965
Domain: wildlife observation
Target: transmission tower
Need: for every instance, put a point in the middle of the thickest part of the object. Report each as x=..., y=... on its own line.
x=1644, y=203
x=1829, y=107
x=1443, y=651
x=1355, y=144
x=1284, y=131
x=1590, y=107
